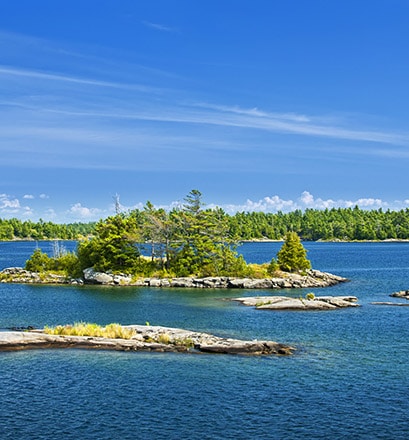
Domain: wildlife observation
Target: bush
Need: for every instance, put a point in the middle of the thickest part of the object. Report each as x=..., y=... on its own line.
x=39, y=262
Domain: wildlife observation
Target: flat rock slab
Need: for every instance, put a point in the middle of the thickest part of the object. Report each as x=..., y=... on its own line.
x=147, y=338
x=286, y=303
x=386, y=303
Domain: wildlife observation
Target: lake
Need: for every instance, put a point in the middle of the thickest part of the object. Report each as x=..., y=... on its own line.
x=348, y=378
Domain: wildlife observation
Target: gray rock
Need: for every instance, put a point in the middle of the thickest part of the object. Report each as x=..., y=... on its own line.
x=94, y=277
x=287, y=303
x=147, y=338
x=401, y=294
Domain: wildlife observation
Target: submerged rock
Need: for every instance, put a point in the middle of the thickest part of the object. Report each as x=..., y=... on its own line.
x=146, y=338
x=286, y=303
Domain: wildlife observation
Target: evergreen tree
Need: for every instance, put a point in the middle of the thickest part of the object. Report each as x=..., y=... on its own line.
x=292, y=257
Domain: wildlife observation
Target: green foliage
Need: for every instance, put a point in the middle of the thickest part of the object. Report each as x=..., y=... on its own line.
x=16, y=229
x=201, y=243
x=66, y=263
x=292, y=257
x=113, y=248
x=195, y=241
x=39, y=262
x=310, y=296
x=273, y=267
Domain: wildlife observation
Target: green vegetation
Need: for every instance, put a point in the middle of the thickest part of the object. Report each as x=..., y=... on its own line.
x=193, y=240
x=160, y=226
x=329, y=224
x=111, y=331
x=292, y=257
x=189, y=241
x=13, y=229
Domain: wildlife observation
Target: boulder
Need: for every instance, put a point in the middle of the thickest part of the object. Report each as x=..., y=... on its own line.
x=93, y=277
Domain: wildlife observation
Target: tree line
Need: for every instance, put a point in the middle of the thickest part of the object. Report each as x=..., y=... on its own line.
x=312, y=224
x=330, y=224
x=15, y=229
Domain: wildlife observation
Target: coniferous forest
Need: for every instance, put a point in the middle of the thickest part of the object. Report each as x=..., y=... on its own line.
x=330, y=224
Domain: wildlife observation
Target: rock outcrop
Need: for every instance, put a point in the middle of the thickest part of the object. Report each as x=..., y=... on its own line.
x=311, y=279
x=146, y=338
x=286, y=303
x=401, y=294
x=20, y=275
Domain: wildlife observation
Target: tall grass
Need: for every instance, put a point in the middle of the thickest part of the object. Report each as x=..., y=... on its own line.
x=111, y=331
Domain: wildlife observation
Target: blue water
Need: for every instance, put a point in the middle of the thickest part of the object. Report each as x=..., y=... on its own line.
x=348, y=378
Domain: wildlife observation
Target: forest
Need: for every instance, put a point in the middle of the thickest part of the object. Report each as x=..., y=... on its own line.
x=346, y=224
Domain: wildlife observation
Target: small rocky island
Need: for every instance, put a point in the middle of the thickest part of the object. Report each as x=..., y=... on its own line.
x=144, y=338
x=308, y=303
x=404, y=294
x=310, y=279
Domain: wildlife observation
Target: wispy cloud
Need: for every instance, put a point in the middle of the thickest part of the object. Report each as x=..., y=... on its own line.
x=159, y=27
x=47, y=76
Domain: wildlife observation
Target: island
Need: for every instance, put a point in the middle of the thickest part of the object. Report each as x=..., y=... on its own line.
x=143, y=338
x=310, y=302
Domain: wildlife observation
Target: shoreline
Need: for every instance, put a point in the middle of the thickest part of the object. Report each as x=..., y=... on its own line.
x=311, y=279
x=146, y=339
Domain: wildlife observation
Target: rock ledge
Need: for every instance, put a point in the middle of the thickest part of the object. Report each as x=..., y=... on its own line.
x=312, y=279
x=286, y=303
x=147, y=338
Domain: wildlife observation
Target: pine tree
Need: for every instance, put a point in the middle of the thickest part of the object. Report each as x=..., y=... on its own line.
x=292, y=257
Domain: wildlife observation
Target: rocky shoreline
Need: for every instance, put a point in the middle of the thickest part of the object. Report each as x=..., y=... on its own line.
x=146, y=339
x=311, y=279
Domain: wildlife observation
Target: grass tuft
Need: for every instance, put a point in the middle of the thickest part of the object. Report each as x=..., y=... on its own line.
x=111, y=331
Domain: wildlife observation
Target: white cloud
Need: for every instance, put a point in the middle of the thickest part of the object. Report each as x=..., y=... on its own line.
x=28, y=196
x=82, y=212
x=308, y=201
x=44, y=196
x=7, y=203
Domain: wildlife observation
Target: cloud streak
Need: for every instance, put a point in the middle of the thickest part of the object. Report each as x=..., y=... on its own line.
x=159, y=27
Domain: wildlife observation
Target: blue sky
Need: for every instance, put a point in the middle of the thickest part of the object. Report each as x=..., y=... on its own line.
x=261, y=105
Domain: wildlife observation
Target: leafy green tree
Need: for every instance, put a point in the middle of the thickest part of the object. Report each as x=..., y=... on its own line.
x=292, y=257
x=113, y=247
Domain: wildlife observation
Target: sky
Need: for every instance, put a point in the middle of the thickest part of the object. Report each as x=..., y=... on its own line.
x=261, y=105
